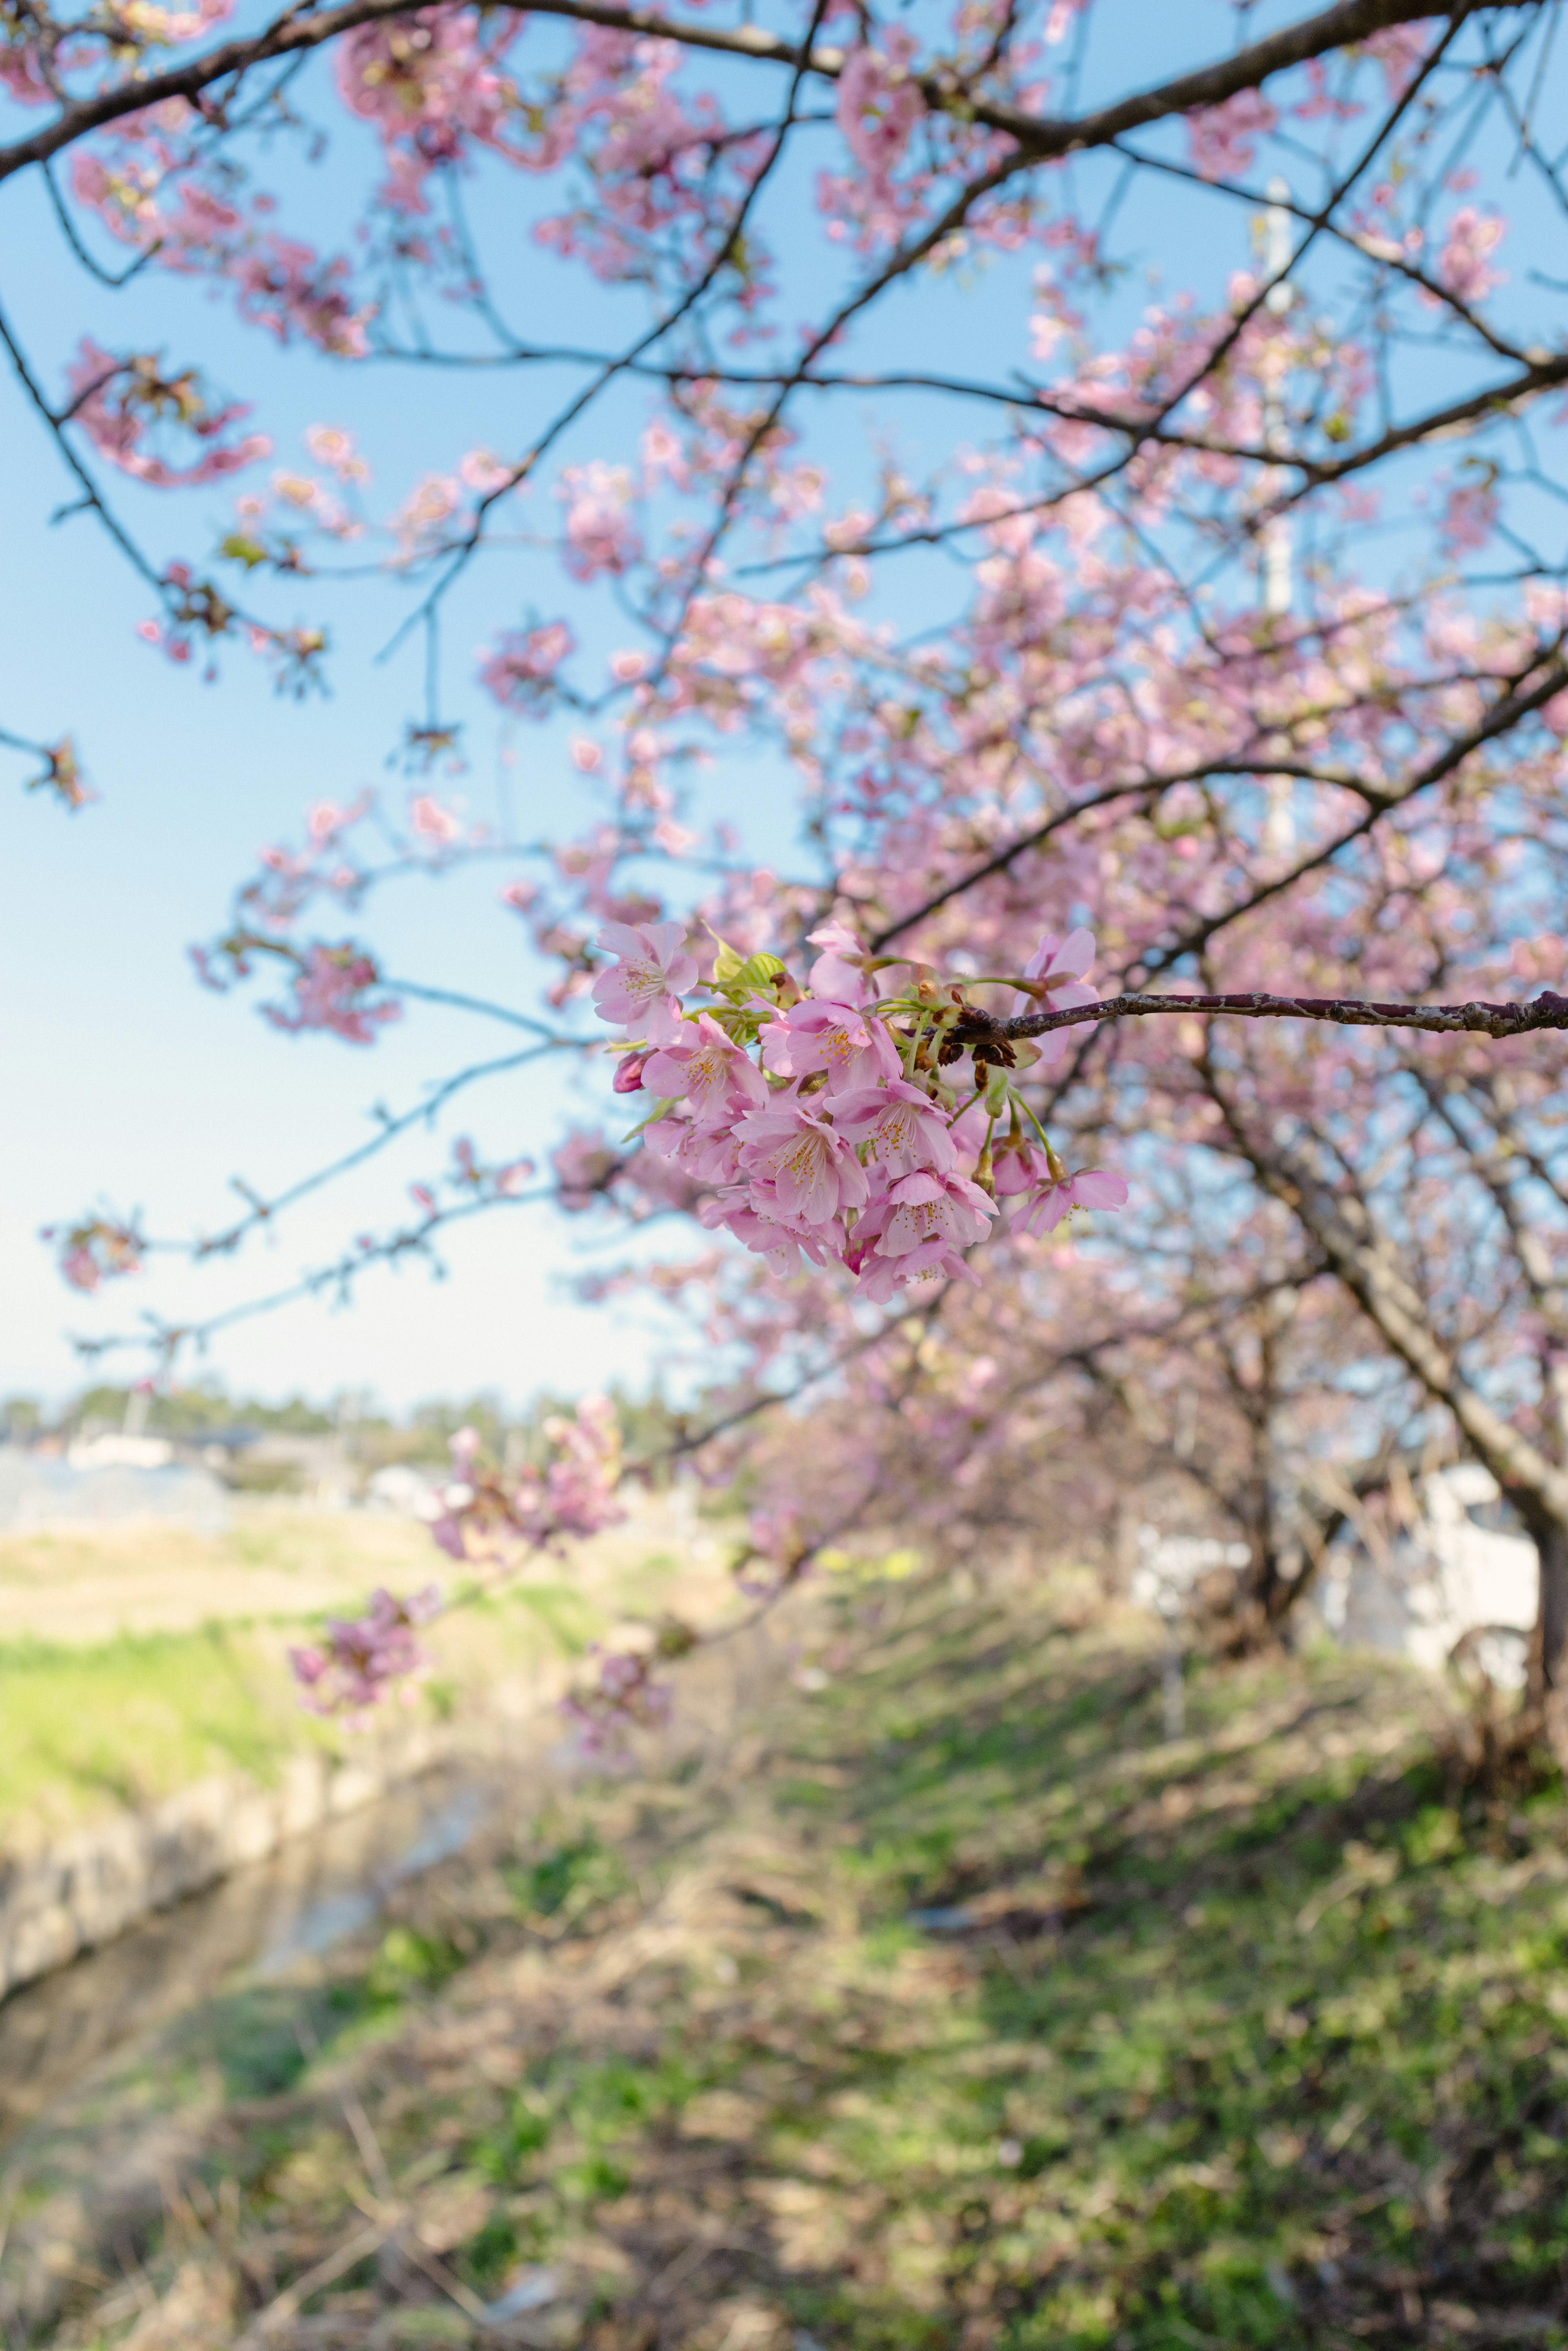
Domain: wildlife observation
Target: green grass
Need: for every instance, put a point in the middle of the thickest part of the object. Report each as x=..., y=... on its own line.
x=84, y=1731
x=95, y=1718
x=1260, y=2038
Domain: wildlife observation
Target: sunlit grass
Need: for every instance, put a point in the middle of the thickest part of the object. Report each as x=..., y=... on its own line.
x=86, y=1730
x=95, y=1717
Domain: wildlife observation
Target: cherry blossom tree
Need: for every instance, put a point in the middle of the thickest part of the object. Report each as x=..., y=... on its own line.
x=1172, y=667
x=1438, y=1206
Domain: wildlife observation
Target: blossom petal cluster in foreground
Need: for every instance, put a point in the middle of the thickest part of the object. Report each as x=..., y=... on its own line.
x=855, y=1119
x=868, y=1117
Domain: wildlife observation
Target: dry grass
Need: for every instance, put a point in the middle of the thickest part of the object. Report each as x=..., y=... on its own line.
x=85, y=1586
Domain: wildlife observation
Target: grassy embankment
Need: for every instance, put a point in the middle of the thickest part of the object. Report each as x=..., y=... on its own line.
x=1250, y=2039
x=135, y=1660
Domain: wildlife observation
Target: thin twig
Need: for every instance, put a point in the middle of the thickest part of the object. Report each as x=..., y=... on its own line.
x=285, y=2305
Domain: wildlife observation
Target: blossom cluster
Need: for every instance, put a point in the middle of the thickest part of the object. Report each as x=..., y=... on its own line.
x=338, y=989
x=97, y=1248
x=831, y=1122
x=120, y=402
x=333, y=989
x=360, y=1657
x=482, y=1514
x=624, y=1695
x=485, y=1513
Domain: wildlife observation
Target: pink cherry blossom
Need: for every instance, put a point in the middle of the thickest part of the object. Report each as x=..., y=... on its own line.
x=1017, y=1166
x=286, y=286
x=434, y=822
x=600, y=535
x=927, y=1211
x=903, y=1129
x=121, y=404
x=1059, y=965
x=1056, y=1199
x=1463, y=266
x=705, y=1155
x=880, y=1280
x=1221, y=140
x=877, y=108
x=334, y=990
x=584, y=1164
x=785, y=1243
x=797, y=1165
x=522, y=671
x=355, y=1666
x=643, y=991
x=625, y=1697
x=332, y=446
x=707, y=1070
x=99, y=1250
x=1401, y=50
x=856, y=1051
x=1469, y=516
x=484, y=1515
x=839, y=971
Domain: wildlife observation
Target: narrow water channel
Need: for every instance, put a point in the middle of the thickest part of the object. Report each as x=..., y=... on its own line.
x=257, y=1922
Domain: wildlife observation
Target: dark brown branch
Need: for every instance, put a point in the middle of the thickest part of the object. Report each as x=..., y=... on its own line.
x=1496, y=400
x=1042, y=137
x=1547, y=1011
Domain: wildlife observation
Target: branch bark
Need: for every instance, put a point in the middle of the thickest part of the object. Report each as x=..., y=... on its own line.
x=1547, y=1011
x=1043, y=138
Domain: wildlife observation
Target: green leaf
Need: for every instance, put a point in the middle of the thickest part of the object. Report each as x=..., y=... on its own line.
x=737, y=975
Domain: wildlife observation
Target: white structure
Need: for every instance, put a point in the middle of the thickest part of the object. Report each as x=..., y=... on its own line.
x=40, y=1490
x=1467, y=1564
x=1169, y=1565
x=412, y=1493
x=120, y=1452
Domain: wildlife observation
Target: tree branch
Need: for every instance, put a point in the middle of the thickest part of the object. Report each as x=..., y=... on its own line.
x=1548, y=1011
x=1042, y=137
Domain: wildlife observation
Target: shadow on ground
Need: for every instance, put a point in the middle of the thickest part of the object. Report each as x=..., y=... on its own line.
x=947, y=2006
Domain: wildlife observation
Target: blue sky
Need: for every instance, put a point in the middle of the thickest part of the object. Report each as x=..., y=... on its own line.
x=121, y=1079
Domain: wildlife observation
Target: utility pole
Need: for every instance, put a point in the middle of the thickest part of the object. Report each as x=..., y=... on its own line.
x=1276, y=536
x=1275, y=544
